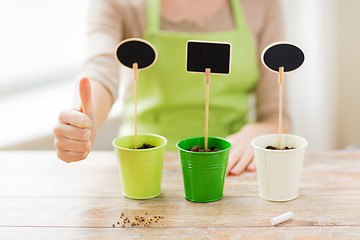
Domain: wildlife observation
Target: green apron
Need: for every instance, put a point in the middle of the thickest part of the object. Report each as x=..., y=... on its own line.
x=171, y=101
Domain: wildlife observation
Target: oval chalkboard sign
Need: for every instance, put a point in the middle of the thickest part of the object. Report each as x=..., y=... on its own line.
x=136, y=50
x=282, y=54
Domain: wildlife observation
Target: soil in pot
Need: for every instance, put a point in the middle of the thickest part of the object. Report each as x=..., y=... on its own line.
x=198, y=149
x=275, y=148
x=145, y=146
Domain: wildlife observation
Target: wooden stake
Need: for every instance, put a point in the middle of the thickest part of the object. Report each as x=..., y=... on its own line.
x=136, y=75
x=207, y=82
x=281, y=80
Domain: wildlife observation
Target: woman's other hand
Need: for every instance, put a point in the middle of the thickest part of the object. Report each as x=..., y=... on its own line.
x=242, y=153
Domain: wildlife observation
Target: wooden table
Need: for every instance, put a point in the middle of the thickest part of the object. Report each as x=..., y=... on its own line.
x=44, y=198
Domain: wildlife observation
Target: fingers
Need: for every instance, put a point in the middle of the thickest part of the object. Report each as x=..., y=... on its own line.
x=242, y=163
x=75, y=131
x=72, y=132
x=239, y=160
x=71, y=150
x=75, y=118
x=69, y=157
x=85, y=96
x=74, y=135
x=64, y=144
x=234, y=157
x=252, y=166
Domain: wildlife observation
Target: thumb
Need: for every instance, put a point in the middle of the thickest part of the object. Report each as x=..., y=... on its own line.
x=85, y=96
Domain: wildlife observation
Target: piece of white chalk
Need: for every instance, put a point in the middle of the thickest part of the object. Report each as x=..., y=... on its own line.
x=282, y=218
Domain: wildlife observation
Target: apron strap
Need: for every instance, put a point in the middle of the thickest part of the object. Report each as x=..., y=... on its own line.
x=153, y=15
x=238, y=14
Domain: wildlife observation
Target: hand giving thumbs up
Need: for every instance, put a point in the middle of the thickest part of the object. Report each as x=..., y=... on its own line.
x=76, y=128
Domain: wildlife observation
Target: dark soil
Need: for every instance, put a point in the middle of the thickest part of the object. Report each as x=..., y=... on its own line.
x=274, y=148
x=198, y=149
x=145, y=146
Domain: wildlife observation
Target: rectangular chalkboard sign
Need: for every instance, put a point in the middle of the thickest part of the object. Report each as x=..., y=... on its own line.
x=213, y=55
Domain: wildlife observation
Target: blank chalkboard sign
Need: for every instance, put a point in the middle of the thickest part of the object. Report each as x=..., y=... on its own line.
x=137, y=54
x=209, y=58
x=212, y=55
x=282, y=54
x=136, y=50
x=282, y=57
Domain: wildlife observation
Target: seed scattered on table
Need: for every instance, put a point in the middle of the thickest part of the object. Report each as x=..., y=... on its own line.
x=146, y=222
